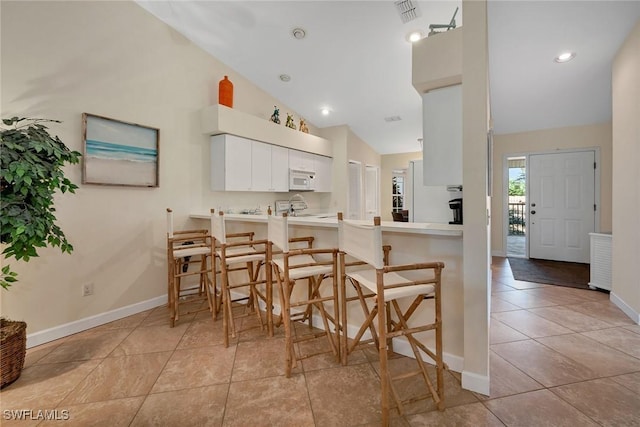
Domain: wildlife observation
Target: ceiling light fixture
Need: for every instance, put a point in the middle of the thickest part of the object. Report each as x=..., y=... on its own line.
x=298, y=33
x=565, y=57
x=414, y=36
x=392, y=119
x=285, y=77
x=325, y=111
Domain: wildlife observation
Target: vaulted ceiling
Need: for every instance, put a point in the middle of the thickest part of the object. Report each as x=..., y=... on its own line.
x=355, y=59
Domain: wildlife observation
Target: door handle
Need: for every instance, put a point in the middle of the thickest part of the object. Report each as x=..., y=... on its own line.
x=533, y=212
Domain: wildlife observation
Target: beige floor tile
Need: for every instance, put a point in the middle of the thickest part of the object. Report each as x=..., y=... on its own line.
x=604, y=400
x=196, y=367
x=346, y=396
x=506, y=379
x=323, y=358
x=111, y=413
x=630, y=381
x=45, y=386
x=603, y=360
x=151, y=339
x=127, y=322
x=269, y=402
x=497, y=288
x=203, y=332
x=499, y=333
x=525, y=300
x=557, y=295
x=544, y=365
x=521, y=285
x=577, y=322
x=539, y=408
x=498, y=304
x=530, y=324
x=603, y=310
x=119, y=377
x=618, y=338
x=160, y=316
x=260, y=359
x=88, y=345
x=471, y=415
x=194, y=407
x=35, y=354
x=633, y=328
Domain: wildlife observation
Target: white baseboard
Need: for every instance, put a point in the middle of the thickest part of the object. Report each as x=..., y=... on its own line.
x=501, y=254
x=626, y=308
x=80, y=325
x=474, y=382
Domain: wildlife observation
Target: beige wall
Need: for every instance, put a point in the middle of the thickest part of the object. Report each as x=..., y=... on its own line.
x=389, y=163
x=60, y=59
x=626, y=175
x=576, y=137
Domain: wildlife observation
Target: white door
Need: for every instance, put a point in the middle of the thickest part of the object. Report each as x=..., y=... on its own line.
x=354, y=190
x=371, y=191
x=561, y=205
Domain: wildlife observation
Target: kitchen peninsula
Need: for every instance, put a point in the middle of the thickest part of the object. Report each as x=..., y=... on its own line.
x=410, y=242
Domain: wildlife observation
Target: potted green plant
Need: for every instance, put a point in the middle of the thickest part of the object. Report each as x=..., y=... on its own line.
x=31, y=171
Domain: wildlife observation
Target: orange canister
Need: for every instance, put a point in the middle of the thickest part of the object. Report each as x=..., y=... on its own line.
x=225, y=92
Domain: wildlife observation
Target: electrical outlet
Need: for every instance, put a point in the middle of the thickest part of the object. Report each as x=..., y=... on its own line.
x=87, y=289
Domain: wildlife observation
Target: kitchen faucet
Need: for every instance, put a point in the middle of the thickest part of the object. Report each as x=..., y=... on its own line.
x=297, y=203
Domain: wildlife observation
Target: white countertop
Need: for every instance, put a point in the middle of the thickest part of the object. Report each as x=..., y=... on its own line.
x=332, y=222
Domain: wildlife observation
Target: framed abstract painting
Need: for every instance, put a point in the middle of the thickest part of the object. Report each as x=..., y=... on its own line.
x=119, y=153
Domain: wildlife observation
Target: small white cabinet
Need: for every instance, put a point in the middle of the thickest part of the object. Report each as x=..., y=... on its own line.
x=301, y=160
x=442, y=136
x=241, y=164
x=600, y=267
x=323, y=166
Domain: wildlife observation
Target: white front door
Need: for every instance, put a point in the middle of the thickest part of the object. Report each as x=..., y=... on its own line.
x=561, y=202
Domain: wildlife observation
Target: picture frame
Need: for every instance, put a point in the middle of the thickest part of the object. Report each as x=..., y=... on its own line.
x=119, y=153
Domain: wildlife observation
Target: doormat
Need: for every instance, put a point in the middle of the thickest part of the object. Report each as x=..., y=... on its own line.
x=572, y=274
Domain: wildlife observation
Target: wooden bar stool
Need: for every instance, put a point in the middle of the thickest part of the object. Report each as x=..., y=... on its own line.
x=364, y=242
x=186, y=248
x=235, y=253
x=307, y=264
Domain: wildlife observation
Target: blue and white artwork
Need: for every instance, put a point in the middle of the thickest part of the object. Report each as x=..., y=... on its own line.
x=119, y=153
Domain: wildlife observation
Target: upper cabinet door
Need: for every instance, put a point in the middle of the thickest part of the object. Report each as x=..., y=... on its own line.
x=260, y=166
x=279, y=169
x=323, y=167
x=230, y=163
x=442, y=136
x=301, y=160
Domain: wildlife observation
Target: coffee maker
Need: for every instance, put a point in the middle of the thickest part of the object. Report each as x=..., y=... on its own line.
x=456, y=207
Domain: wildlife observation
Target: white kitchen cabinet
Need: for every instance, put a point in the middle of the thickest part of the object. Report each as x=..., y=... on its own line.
x=241, y=164
x=301, y=160
x=323, y=167
x=442, y=136
x=230, y=163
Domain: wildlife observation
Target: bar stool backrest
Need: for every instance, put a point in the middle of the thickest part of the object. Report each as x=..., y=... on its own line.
x=278, y=231
x=218, y=230
x=362, y=241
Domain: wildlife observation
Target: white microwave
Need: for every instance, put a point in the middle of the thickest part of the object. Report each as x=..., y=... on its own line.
x=301, y=180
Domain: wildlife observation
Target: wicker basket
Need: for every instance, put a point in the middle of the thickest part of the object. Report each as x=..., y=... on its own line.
x=13, y=347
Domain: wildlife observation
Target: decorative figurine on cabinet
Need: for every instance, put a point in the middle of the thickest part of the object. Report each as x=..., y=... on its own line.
x=275, y=117
x=303, y=126
x=289, y=122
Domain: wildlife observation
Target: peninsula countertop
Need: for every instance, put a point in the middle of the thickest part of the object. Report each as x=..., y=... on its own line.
x=330, y=221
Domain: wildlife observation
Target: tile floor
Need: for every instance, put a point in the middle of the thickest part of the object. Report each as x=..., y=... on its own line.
x=559, y=356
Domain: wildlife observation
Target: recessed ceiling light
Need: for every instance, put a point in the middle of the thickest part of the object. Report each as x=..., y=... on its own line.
x=285, y=77
x=565, y=57
x=414, y=36
x=325, y=111
x=298, y=33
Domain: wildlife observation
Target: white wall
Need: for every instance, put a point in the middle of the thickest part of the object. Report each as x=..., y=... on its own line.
x=626, y=176
x=60, y=59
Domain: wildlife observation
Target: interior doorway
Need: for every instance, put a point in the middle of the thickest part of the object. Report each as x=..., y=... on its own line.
x=517, y=207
